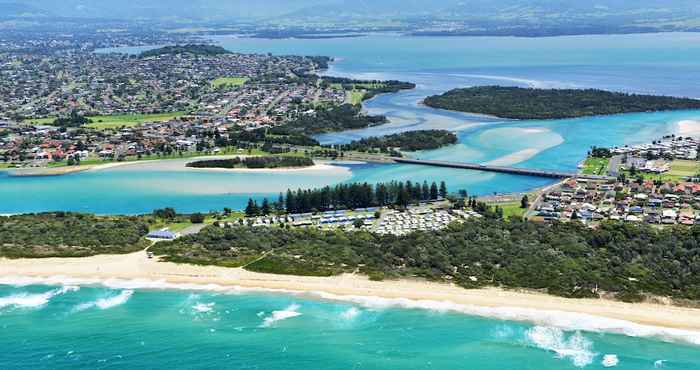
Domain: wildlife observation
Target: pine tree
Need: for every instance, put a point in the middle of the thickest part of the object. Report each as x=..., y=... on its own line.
x=433, y=191
x=443, y=190
x=425, y=191
x=252, y=209
x=266, y=209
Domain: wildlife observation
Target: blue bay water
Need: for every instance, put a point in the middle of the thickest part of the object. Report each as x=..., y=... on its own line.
x=94, y=327
x=655, y=63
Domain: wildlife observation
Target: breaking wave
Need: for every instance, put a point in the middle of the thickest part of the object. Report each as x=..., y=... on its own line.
x=610, y=361
x=26, y=300
x=107, y=303
x=575, y=347
x=553, y=318
x=350, y=313
x=558, y=319
x=203, y=307
x=287, y=313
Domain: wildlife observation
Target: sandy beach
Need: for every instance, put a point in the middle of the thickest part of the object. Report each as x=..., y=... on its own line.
x=688, y=128
x=585, y=314
x=65, y=170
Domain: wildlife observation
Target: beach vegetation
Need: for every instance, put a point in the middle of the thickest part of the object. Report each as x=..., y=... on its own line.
x=65, y=234
x=625, y=260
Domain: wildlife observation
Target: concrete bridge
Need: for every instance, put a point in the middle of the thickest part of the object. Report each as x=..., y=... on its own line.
x=501, y=169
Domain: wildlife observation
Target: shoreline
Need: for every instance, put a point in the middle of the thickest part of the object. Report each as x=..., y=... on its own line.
x=136, y=271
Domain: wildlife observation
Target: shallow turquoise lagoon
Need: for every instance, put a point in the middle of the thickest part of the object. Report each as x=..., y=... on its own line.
x=67, y=327
x=652, y=63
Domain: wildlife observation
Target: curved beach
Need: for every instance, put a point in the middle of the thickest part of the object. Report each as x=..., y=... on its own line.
x=137, y=271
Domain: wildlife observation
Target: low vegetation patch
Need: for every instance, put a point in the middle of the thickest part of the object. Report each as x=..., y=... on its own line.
x=62, y=234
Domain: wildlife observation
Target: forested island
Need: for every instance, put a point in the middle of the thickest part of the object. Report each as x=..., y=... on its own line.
x=407, y=141
x=566, y=259
x=254, y=162
x=336, y=118
x=195, y=49
x=529, y=103
x=65, y=234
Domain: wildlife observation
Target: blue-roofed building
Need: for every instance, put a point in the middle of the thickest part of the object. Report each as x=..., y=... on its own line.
x=162, y=234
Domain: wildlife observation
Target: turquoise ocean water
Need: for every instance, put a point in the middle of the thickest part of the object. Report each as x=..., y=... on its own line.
x=122, y=325
x=96, y=327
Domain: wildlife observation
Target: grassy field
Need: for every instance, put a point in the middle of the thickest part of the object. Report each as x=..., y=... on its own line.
x=680, y=169
x=595, y=166
x=511, y=209
x=356, y=96
x=684, y=168
x=130, y=120
x=229, y=81
x=116, y=121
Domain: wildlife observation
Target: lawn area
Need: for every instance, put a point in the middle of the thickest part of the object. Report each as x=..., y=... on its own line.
x=356, y=96
x=116, y=121
x=229, y=81
x=595, y=166
x=511, y=209
x=130, y=120
x=684, y=168
x=680, y=169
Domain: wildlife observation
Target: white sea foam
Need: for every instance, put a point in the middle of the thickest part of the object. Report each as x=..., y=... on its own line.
x=576, y=347
x=559, y=319
x=108, y=302
x=610, y=361
x=203, y=307
x=553, y=318
x=350, y=313
x=26, y=300
x=287, y=313
x=659, y=364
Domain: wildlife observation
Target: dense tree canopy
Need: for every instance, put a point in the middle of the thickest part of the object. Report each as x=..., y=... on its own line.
x=336, y=118
x=254, y=162
x=196, y=49
x=407, y=141
x=525, y=103
x=570, y=260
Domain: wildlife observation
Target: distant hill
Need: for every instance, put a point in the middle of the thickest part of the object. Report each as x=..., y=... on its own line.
x=520, y=17
x=186, y=49
x=14, y=10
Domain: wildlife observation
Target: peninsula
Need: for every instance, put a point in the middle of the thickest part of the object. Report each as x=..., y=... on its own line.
x=530, y=103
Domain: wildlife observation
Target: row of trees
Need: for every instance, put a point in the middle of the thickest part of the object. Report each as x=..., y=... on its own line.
x=350, y=196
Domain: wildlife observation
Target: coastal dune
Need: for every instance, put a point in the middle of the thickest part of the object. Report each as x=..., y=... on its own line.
x=135, y=270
